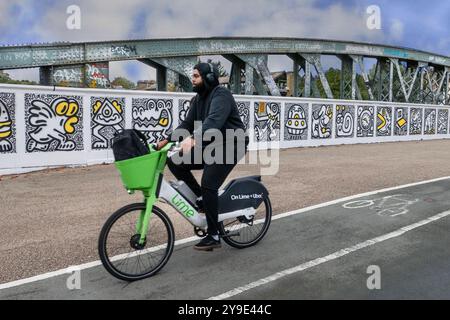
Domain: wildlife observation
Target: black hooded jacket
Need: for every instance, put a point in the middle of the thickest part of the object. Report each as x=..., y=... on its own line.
x=215, y=107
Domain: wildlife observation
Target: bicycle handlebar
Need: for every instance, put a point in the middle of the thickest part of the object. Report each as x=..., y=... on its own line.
x=171, y=148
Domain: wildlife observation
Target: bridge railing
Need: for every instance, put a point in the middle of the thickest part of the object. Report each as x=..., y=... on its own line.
x=42, y=127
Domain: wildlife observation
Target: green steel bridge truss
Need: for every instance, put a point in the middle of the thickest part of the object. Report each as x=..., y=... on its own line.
x=399, y=75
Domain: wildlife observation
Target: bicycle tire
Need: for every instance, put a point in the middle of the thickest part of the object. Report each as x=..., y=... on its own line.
x=102, y=242
x=233, y=240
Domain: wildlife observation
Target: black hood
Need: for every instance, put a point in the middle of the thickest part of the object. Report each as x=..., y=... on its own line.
x=204, y=68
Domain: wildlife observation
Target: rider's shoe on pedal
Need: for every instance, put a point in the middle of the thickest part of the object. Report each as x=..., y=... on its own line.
x=208, y=243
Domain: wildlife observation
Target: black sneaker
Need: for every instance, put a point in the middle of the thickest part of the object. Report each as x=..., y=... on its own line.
x=208, y=243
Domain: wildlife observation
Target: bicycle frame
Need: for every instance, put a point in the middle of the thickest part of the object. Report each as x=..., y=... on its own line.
x=161, y=189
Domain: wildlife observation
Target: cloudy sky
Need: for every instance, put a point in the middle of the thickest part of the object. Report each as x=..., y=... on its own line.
x=417, y=24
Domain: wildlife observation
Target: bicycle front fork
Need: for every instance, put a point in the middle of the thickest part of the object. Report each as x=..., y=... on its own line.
x=144, y=219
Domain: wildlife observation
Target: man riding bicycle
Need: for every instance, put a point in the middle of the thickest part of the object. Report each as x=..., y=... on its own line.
x=215, y=110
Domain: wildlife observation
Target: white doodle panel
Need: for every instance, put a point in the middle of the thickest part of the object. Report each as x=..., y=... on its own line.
x=244, y=112
x=429, y=122
x=183, y=108
x=415, y=121
x=296, y=121
x=107, y=118
x=321, y=121
x=53, y=123
x=7, y=123
x=345, y=121
x=267, y=121
x=365, y=121
x=384, y=121
x=442, y=121
x=153, y=117
x=400, y=121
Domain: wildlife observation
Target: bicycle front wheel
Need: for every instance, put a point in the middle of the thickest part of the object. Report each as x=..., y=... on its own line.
x=120, y=251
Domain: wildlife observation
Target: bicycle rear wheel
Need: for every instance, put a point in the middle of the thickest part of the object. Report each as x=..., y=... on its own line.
x=251, y=231
x=119, y=248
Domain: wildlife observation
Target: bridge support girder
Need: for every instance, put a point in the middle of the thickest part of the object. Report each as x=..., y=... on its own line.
x=237, y=70
x=434, y=85
x=176, y=69
x=314, y=60
x=92, y=75
x=348, y=86
x=257, y=73
x=300, y=64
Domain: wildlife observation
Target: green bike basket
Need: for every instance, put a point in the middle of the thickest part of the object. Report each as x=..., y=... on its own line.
x=139, y=173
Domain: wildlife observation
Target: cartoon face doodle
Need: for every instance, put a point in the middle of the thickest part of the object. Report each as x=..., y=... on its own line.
x=416, y=121
x=244, y=112
x=184, y=108
x=52, y=123
x=400, y=121
x=365, y=121
x=5, y=128
x=296, y=122
x=107, y=113
x=267, y=121
x=321, y=121
x=344, y=121
x=107, y=119
x=152, y=117
x=384, y=121
x=442, y=121
x=430, y=121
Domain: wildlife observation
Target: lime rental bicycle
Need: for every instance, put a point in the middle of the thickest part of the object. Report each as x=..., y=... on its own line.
x=138, y=239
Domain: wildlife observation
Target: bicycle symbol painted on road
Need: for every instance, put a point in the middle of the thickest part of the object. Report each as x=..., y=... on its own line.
x=392, y=206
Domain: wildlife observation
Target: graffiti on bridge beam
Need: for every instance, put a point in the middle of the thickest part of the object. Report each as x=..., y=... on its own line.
x=124, y=50
x=97, y=75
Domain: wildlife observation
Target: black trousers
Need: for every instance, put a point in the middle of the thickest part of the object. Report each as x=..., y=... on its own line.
x=214, y=175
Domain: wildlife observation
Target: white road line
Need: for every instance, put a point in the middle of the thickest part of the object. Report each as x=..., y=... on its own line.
x=71, y=268
x=330, y=257
x=370, y=193
x=187, y=240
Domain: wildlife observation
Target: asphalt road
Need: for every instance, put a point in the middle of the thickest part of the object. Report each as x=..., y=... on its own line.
x=408, y=229
x=51, y=219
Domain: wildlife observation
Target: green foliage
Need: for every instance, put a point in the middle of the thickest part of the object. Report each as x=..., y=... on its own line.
x=334, y=80
x=123, y=82
x=5, y=78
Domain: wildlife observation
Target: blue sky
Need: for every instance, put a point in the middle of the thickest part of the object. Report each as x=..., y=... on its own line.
x=418, y=24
